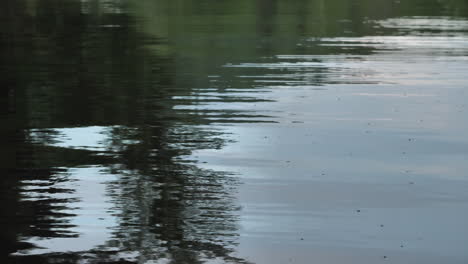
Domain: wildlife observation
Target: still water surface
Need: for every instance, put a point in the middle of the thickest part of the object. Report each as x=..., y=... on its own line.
x=249, y=131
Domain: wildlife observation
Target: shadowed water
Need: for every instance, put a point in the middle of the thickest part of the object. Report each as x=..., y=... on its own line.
x=261, y=131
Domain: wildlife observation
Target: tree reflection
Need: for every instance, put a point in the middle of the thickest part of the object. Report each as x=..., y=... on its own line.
x=89, y=66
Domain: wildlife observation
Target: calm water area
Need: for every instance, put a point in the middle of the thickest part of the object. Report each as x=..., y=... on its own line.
x=247, y=131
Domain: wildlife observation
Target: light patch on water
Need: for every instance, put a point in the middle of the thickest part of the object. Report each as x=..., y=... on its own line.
x=394, y=95
x=90, y=210
x=425, y=23
x=92, y=138
x=398, y=42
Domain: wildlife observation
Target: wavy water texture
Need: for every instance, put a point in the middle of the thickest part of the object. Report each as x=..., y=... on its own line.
x=234, y=132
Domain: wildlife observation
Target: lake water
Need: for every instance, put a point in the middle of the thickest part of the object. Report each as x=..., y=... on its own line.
x=248, y=131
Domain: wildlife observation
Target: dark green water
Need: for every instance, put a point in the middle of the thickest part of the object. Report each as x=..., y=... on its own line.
x=248, y=131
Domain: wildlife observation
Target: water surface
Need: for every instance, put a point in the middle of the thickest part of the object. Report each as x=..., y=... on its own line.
x=234, y=131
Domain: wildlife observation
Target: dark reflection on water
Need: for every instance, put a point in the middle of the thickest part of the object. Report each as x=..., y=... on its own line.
x=104, y=102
